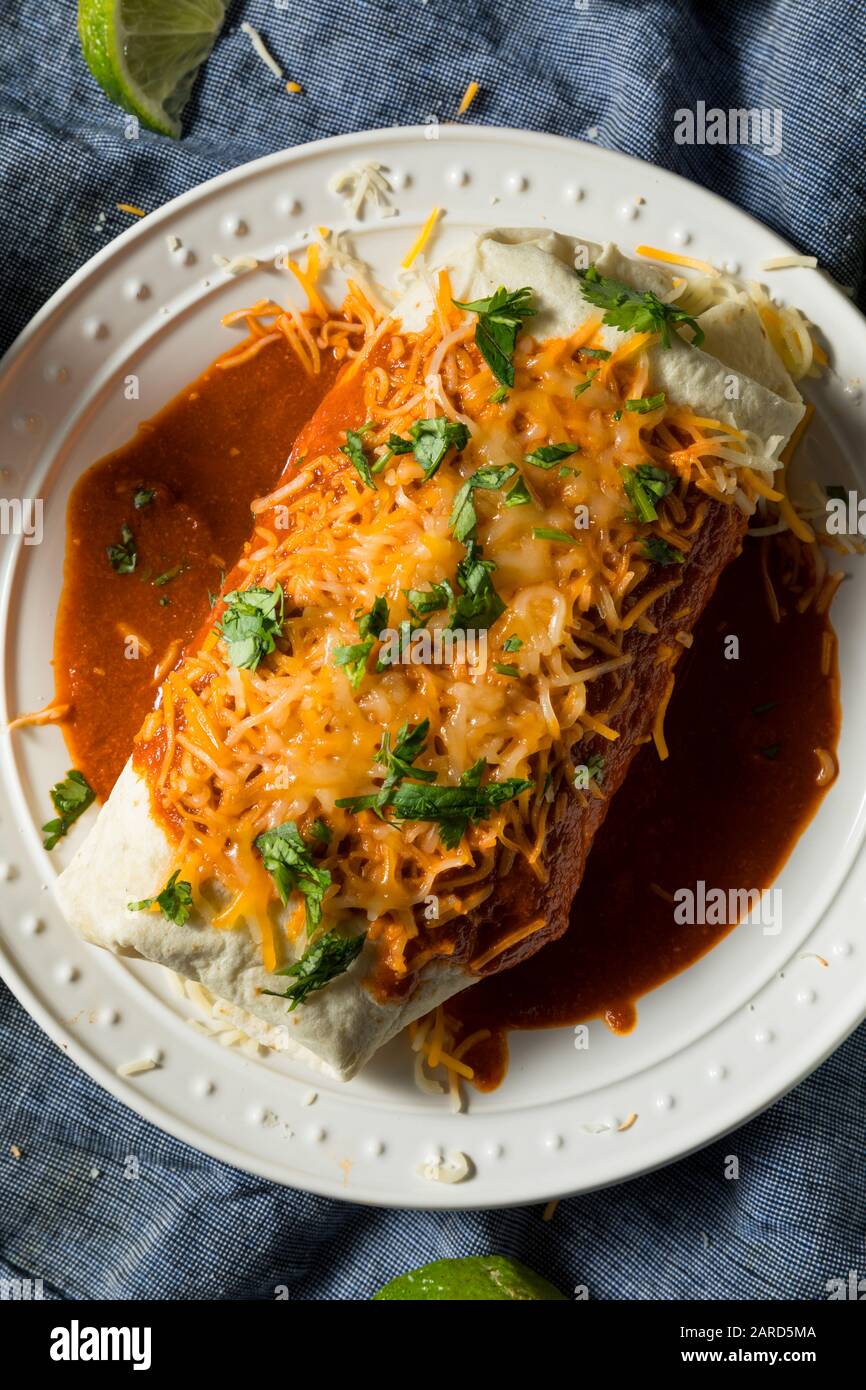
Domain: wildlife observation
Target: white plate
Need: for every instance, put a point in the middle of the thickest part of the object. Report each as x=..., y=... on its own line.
x=714, y=1045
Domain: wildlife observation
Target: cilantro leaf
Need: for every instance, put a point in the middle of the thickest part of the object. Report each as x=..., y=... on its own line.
x=396, y=445
x=423, y=602
x=519, y=495
x=512, y=643
x=354, y=451
x=642, y=405
x=168, y=575
x=657, y=550
x=321, y=963
x=123, y=556
x=627, y=309
x=551, y=533
x=410, y=743
x=585, y=385
x=463, y=517
x=550, y=454
x=354, y=656
x=454, y=808
x=645, y=485
x=478, y=604
x=174, y=902
x=70, y=799
x=500, y=319
x=143, y=498
x=594, y=766
x=433, y=439
x=252, y=620
x=291, y=866
x=429, y=441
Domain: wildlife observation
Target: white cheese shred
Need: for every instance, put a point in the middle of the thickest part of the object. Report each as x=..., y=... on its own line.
x=456, y=1168
x=261, y=49
x=137, y=1068
x=789, y=262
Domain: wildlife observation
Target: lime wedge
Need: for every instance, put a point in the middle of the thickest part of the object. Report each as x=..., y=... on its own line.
x=486, y=1278
x=145, y=54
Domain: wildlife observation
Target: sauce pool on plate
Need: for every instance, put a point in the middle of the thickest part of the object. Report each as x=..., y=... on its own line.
x=193, y=469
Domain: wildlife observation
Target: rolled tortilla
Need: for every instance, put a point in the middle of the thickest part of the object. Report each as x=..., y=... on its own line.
x=128, y=855
x=756, y=393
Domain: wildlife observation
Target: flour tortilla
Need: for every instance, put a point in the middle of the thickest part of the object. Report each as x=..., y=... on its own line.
x=128, y=857
x=765, y=399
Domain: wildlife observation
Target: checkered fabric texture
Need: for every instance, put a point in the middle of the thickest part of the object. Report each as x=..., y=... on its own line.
x=604, y=70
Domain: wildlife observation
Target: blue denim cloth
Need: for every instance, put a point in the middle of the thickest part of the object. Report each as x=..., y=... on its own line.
x=610, y=71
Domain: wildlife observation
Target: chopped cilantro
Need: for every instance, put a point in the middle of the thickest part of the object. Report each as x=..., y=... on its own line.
x=519, y=495
x=252, y=620
x=500, y=319
x=642, y=405
x=550, y=533
x=657, y=550
x=174, y=902
x=585, y=385
x=354, y=656
x=478, y=604
x=321, y=963
x=627, y=309
x=70, y=799
x=291, y=865
x=123, y=556
x=644, y=486
x=423, y=602
x=551, y=454
x=463, y=517
x=354, y=451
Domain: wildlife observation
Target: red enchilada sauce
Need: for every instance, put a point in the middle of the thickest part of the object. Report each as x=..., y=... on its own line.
x=221, y=442
x=727, y=806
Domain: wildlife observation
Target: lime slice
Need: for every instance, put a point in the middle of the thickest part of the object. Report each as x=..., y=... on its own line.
x=145, y=54
x=490, y=1278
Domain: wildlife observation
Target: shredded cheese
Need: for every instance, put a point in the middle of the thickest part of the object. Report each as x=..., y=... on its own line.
x=467, y=98
x=235, y=265
x=421, y=240
x=659, y=722
x=674, y=258
x=52, y=714
x=261, y=49
x=508, y=941
x=363, y=184
x=788, y=262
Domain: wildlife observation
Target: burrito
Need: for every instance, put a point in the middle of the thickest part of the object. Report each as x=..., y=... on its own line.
x=375, y=776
